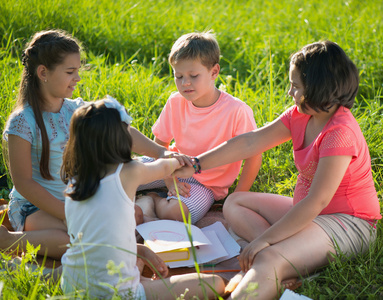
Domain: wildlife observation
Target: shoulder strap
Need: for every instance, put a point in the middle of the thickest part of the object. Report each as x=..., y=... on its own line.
x=119, y=168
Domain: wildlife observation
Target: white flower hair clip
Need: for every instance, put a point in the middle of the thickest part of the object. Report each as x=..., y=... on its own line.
x=110, y=102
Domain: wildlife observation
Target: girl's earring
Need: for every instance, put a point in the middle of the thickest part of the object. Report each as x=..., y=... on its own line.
x=45, y=80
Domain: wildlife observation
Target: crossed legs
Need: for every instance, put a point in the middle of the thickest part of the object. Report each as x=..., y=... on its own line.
x=297, y=255
x=250, y=214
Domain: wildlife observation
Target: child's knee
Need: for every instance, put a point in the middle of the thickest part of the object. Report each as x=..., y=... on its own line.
x=230, y=204
x=233, y=199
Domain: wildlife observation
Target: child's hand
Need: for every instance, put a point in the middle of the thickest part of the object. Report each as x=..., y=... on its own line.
x=183, y=187
x=182, y=159
x=157, y=265
x=248, y=254
x=184, y=172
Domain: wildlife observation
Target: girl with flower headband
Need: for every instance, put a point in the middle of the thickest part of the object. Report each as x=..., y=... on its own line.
x=102, y=181
x=36, y=133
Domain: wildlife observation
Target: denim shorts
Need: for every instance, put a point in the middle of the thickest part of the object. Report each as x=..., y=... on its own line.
x=18, y=211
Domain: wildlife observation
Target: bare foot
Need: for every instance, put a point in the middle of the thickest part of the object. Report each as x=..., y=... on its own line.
x=234, y=282
x=291, y=284
x=146, y=203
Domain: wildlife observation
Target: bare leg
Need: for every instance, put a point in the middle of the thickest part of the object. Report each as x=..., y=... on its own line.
x=41, y=229
x=146, y=203
x=291, y=284
x=233, y=283
x=174, y=286
x=168, y=209
x=258, y=212
x=303, y=252
x=40, y=220
x=52, y=241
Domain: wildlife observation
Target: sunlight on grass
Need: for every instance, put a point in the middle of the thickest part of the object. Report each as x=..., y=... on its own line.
x=127, y=45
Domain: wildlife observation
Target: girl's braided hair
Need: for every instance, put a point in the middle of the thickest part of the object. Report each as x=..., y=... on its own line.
x=48, y=48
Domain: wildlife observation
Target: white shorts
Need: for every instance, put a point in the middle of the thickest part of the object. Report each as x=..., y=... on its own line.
x=350, y=235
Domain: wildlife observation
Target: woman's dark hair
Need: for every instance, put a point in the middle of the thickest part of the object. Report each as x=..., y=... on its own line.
x=328, y=75
x=48, y=48
x=97, y=138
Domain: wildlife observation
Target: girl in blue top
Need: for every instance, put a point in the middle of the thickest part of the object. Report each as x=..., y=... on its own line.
x=37, y=132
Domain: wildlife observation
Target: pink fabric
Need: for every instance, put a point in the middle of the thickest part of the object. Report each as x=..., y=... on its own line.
x=341, y=135
x=196, y=130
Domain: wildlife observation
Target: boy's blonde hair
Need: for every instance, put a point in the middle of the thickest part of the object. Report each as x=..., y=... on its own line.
x=196, y=45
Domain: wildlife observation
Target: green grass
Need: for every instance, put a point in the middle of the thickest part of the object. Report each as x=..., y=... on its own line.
x=127, y=43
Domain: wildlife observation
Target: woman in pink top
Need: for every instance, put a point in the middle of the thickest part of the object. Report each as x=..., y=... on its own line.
x=335, y=206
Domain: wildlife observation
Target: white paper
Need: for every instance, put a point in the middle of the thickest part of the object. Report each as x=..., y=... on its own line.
x=166, y=235
x=231, y=246
x=290, y=295
x=204, y=253
x=215, y=244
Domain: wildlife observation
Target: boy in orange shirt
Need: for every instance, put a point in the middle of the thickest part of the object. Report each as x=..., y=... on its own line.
x=198, y=118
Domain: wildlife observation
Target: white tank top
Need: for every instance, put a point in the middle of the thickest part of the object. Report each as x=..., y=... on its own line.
x=97, y=227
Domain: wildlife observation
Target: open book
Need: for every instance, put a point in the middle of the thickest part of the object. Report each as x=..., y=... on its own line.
x=212, y=244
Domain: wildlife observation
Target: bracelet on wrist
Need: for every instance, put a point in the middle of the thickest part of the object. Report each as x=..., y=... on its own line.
x=196, y=165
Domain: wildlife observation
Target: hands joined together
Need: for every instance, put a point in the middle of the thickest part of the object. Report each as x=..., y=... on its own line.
x=185, y=171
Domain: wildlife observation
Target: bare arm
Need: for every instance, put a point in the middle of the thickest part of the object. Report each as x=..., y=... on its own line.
x=21, y=171
x=145, y=146
x=158, y=169
x=136, y=173
x=183, y=159
x=153, y=261
x=250, y=171
x=142, y=145
x=246, y=145
x=163, y=144
x=328, y=176
x=241, y=147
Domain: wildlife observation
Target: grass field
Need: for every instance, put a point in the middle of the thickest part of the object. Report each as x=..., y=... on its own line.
x=126, y=46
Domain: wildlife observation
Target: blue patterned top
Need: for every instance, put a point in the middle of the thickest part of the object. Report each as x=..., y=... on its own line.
x=23, y=124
